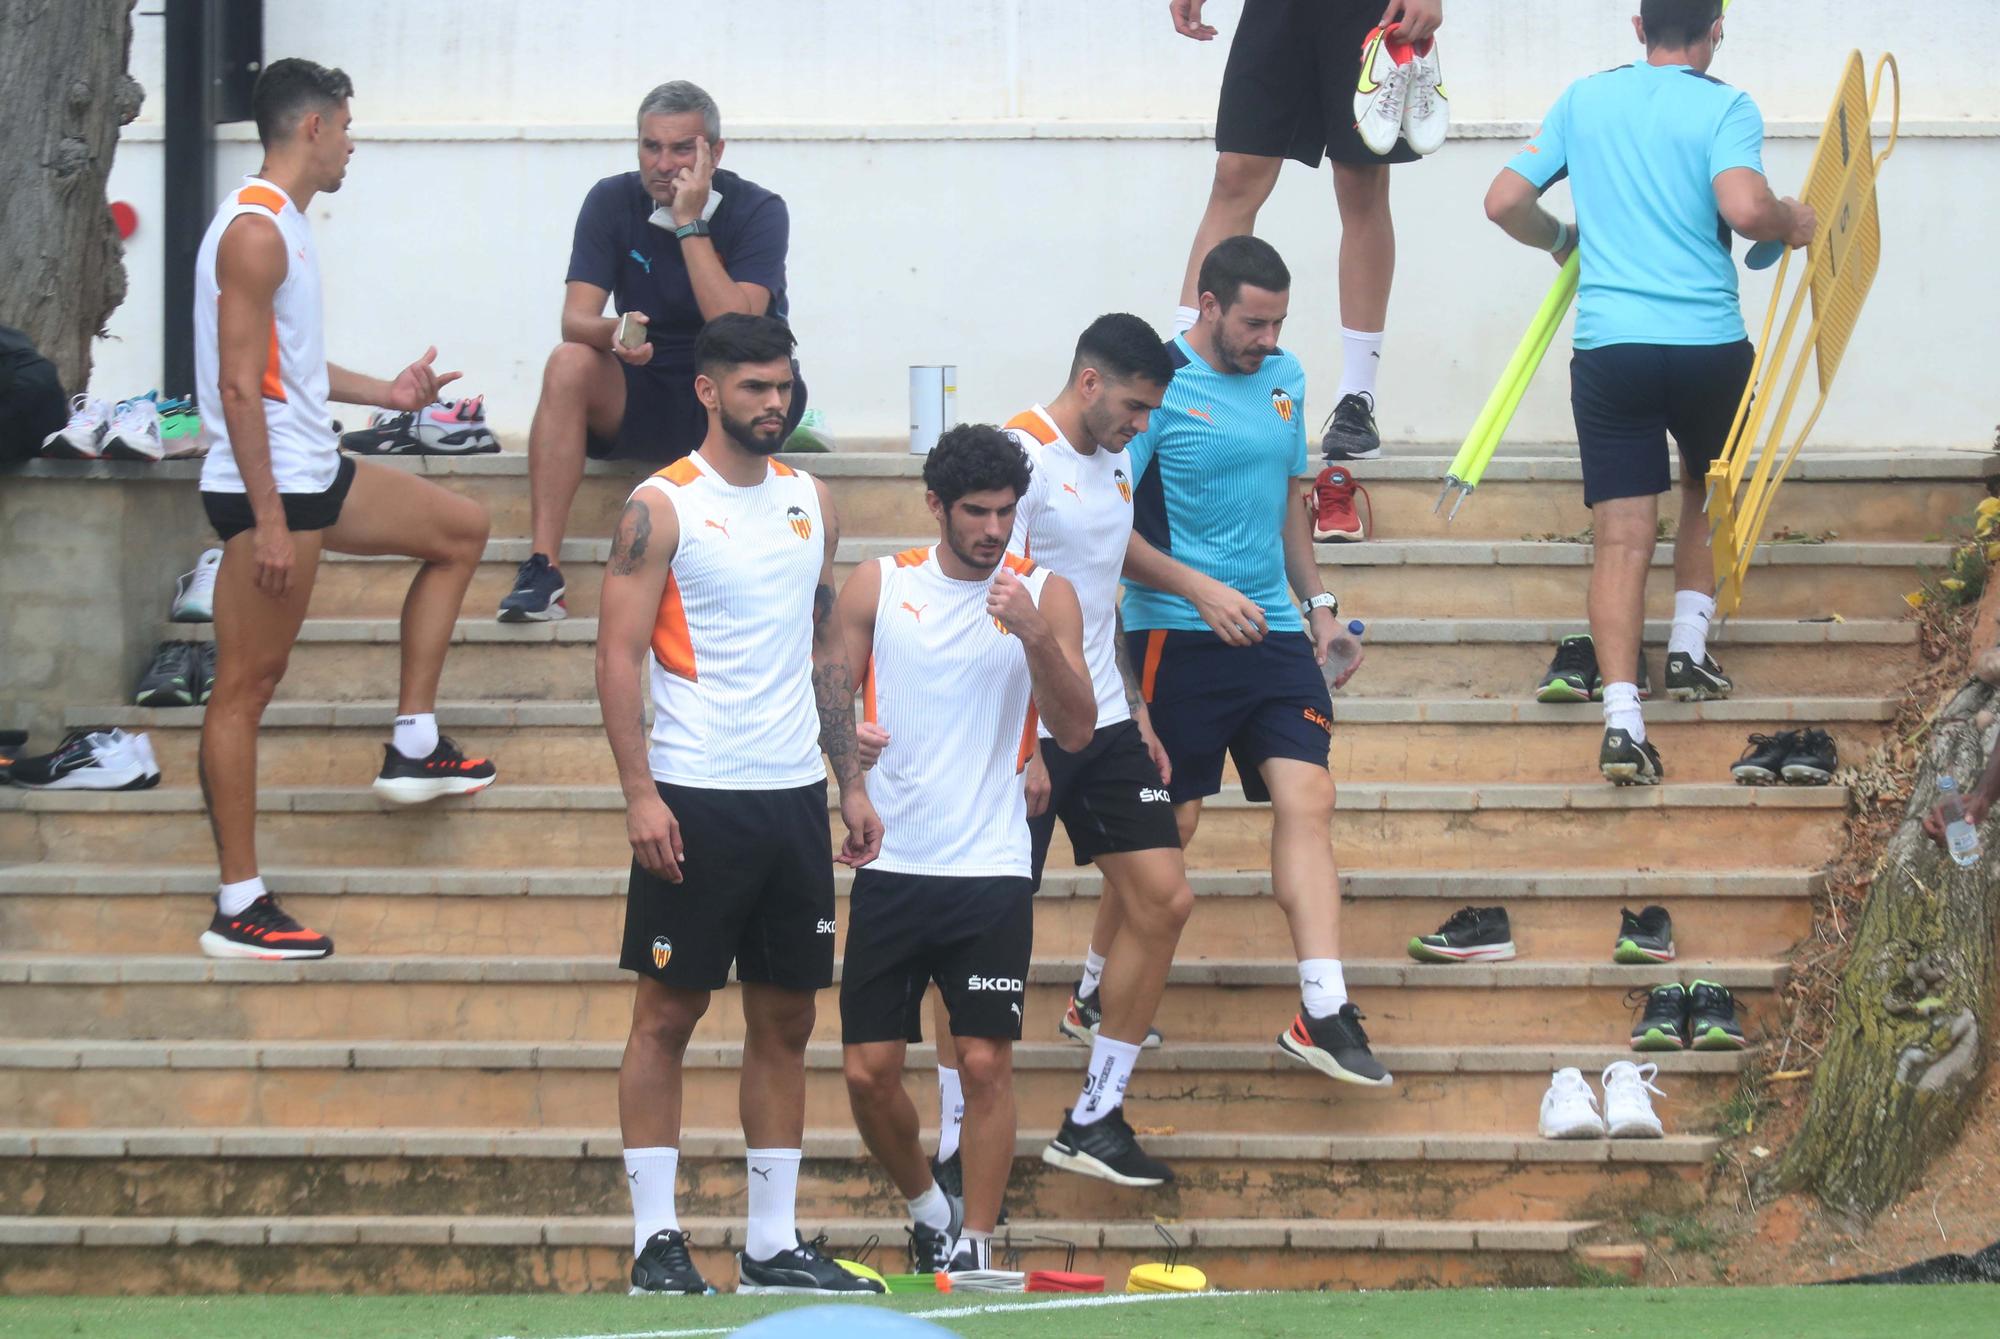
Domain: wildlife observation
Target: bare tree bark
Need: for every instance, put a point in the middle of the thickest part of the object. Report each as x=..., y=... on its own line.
x=64, y=92
x=1909, y=1043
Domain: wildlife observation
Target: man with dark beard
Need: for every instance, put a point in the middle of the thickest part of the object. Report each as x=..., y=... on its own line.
x=722, y=571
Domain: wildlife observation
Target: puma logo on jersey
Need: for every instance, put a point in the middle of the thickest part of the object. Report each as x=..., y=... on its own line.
x=916, y=610
x=1151, y=795
x=1201, y=414
x=722, y=525
x=1071, y=490
x=1007, y=983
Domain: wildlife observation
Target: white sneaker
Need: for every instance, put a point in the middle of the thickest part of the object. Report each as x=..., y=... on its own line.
x=194, y=593
x=1569, y=1108
x=1426, y=110
x=82, y=438
x=1628, y=1112
x=1382, y=89
x=135, y=431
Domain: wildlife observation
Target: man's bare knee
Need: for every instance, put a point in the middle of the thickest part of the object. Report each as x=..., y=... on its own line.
x=872, y=1078
x=571, y=368
x=1308, y=795
x=779, y=1020
x=1243, y=179
x=985, y=1066
x=665, y=1019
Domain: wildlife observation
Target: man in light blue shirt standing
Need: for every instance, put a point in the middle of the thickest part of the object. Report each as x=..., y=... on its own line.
x=1664, y=164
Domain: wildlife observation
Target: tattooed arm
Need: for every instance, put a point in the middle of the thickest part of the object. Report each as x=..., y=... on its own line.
x=642, y=552
x=833, y=691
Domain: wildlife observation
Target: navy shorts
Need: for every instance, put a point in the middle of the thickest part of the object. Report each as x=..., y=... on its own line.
x=1208, y=699
x=664, y=420
x=1628, y=397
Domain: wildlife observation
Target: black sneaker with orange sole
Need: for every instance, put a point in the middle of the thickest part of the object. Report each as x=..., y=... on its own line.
x=262, y=930
x=1335, y=1046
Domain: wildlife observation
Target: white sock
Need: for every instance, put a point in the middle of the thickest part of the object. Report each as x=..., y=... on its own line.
x=951, y=1112
x=1104, y=1082
x=233, y=899
x=982, y=1247
x=649, y=1175
x=1322, y=985
x=1621, y=710
x=1184, y=319
x=1360, y=360
x=774, y=1197
x=931, y=1209
x=1093, y=973
x=1692, y=611
x=417, y=736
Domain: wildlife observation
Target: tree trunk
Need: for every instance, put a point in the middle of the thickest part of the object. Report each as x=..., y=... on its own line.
x=63, y=94
x=1908, y=1047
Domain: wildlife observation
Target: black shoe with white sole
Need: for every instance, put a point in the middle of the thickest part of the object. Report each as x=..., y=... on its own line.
x=1763, y=760
x=1812, y=760
x=88, y=759
x=1691, y=680
x=803, y=1271
x=1626, y=761
x=1646, y=937
x=538, y=592
x=1350, y=430
x=446, y=772
x=1572, y=673
x=173, y=679
x=1335, y=1046
x=1471, y=934
x=1106, y=1149
x=665, y=1266
x=262, y=930
x=1085, y=1014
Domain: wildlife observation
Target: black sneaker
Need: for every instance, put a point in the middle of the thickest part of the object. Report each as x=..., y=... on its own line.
x=1471, y=934
x=931, y=1248
x=87, y=759
x=1663, y=1024
x=1646, y=937
x=1712, y=1018
x=802, y=1271
x=1628, y=762
x=204, y=671
x=1572, y=672
x=446, y=772
x=1643, y=681
x=262, y=930
x=1350, y=429
x=389, y=433
x=666, y=1267
x=537, y=596
x=949, y=1173
x=1812, y=760
x=1335, y=1046
x=172, y=680
x=1106, y=1149
x=1692, y=681
x=1081, y=1020
x=1763, y=760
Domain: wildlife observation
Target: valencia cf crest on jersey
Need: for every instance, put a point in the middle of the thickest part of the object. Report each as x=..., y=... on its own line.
x=802, y=525
x=1124, y=484
x=1281, y=400
x=663, y=952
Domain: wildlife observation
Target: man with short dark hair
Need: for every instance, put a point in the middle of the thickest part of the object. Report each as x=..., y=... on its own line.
x=1229, y=668
x=1663, y=162
x=278, y=492
x=677, y=243
x=721, y=579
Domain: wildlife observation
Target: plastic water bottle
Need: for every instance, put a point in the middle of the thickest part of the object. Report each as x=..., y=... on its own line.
x=1337, y=663
x=1960, y=837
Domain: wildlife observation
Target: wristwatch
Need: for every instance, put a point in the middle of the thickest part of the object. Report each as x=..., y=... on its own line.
x=698, y=228
x=1326, y=600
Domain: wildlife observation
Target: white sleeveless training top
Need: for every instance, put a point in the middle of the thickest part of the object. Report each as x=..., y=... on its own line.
x=305, y=454
x=733, y=705
x=951, y=686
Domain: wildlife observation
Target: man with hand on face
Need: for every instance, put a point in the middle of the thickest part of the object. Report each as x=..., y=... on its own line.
x=721, y=577
x=673, y=245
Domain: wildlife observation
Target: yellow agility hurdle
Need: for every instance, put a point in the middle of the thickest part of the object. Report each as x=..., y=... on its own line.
x=1839, y=269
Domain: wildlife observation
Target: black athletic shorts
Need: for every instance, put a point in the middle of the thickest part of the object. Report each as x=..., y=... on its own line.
x=230, y=513
x=1109, y=796
x=971, y=935
x=756, y=890
x=1628, y=397
x=1288, y=89
x=1208, y=699
x=663, y=419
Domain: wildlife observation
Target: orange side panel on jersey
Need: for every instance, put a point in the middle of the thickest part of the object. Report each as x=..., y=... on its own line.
x=1027, y=740
x=868, y=693
x=673, y=645
x=1156, y=642
x=262, y=196
x=1034, y=425
x=683, y=471
x=912, y=557
x=274, y=380
x=782, y=470
x=1019, y=564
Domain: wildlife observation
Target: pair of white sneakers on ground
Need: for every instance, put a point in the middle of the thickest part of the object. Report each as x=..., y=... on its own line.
x=92, y=760
x=1400, y=94
x=97, y=429
x=1569, y=1107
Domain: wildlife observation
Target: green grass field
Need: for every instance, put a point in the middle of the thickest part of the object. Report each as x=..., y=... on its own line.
x=1686, y=1313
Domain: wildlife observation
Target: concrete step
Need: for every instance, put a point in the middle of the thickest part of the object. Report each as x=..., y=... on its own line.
x=1197, y=1089
x=355, y=660
x=525, y=1000
x=469, y=912
x=1386, y=578
x=454, y=1254
x=1691, y=826
x=237, y=1173
x=1375, y=739
x=1529, y=492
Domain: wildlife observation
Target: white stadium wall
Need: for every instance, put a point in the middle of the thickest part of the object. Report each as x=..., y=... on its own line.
x=970, y=181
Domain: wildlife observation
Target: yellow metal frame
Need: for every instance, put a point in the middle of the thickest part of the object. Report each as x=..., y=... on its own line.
x=1839, y=269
